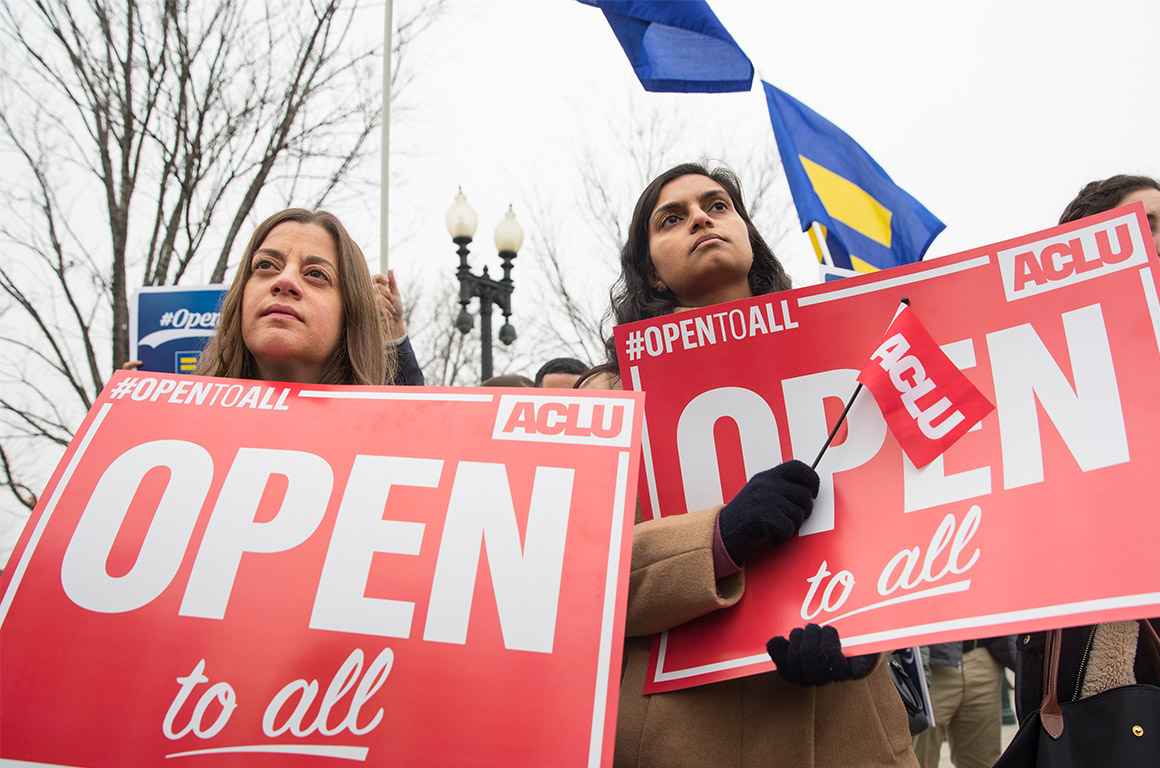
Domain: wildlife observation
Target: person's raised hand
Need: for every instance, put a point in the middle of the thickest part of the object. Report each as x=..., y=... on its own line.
x=813, y=656
x=390, y=302
x=769, y=510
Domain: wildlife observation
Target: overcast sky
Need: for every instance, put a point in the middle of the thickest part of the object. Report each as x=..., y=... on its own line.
x=991, y=113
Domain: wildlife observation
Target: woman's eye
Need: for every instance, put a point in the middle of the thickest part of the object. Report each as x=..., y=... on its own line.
x=263, y=264
x=669, y=220
x=720, y=206
x=318, y=274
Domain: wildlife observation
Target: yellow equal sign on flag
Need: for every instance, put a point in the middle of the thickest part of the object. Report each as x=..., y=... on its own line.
x=187, y=361
x=848, y=203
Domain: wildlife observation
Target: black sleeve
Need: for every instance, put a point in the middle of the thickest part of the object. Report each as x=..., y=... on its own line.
x=1003, y=650
x=1147, y=665
x=1029, y=667
x=1029, y=674
x=409, y=373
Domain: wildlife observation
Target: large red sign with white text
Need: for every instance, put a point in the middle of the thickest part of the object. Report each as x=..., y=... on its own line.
x=246, y=573
x=1038, y=517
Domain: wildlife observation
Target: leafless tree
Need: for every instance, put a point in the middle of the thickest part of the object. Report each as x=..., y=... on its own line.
x=446, y=356
x=139, y=138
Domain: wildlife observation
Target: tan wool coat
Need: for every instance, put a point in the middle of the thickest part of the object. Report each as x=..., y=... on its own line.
x=753, y=722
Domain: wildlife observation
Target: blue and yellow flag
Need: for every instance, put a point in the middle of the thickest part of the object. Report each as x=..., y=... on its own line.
x=867, y=221
x=677, y=46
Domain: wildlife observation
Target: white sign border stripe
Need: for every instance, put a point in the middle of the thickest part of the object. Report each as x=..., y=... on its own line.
x=608, y=620
x=894, y=282
x=42, y=523
x=646, y=451
x=1046, y=612
x=438, y=397
x=1153, y=302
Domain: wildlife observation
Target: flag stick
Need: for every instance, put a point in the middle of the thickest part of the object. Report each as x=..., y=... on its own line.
x=834, y=431
x=818, y=241
x=849, y=403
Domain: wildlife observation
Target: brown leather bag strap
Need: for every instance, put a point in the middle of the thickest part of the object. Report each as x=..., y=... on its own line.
x=1050, y=715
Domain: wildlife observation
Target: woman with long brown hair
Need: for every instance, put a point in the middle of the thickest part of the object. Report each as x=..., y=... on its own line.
x=691, y=243
x=301, y=307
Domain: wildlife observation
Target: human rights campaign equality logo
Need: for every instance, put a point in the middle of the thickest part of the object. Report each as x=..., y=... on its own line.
x=169, y=325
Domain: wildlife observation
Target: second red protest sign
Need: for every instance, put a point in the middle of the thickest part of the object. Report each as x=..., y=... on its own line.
x=246, y=573
x=1059, y=329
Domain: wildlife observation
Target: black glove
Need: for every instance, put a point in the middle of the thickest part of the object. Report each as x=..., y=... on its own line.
x=813, y=656
x=768, y=510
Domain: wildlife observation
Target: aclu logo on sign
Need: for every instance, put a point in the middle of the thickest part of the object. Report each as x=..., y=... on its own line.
x=554, y=419
x=1082, y=254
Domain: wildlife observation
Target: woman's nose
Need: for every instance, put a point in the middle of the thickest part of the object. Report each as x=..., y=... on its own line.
x=286, y=283
x=699, y=218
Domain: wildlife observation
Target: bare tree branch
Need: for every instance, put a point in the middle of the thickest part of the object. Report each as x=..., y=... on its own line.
x=140, y=138
x=21, y=491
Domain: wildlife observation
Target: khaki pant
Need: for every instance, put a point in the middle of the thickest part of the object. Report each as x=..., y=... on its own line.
x=967, y=712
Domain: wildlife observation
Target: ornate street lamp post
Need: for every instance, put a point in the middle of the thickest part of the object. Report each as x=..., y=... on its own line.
x=509, y=236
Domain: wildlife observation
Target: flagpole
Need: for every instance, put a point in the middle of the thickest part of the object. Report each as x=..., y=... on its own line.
x=904, y=301
x=385, y=152
x=821, y=248
x=834, y=431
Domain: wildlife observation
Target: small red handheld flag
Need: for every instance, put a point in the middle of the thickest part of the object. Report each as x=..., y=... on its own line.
x=927, y=401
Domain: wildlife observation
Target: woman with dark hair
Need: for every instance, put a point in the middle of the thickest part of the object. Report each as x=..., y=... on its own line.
x=1103, y=195
x=301, y=308
x=691, y=243
x=1097, y=657
x=642, y=292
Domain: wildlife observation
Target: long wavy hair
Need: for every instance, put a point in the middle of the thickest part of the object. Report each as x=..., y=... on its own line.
x=635, y=295
x=361, y=356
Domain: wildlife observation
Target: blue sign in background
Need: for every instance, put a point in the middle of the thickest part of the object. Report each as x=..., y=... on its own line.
x=169, y=325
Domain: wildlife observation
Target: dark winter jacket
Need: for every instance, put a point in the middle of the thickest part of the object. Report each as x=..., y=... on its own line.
x=409, y=373
x=1076, y=660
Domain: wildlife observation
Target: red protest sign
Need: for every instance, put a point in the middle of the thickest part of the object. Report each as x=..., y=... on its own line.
x=1059, y=329
x=927, y=402
x=240, y=573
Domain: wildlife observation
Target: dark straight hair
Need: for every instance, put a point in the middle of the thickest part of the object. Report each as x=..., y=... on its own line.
x=1105, y=194
x=635, y=296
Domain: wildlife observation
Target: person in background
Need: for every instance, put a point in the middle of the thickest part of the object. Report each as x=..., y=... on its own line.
x=301, y=308
x=691, y=243
x=965, y=684
x=1098, y=657
x=508, y=380
x=560, y=373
